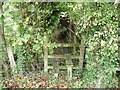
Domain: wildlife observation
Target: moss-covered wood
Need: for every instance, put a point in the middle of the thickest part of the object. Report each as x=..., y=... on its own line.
x=69, y=65
x=45, y=56
x=69, y=68
x=56, y=68
x=82, y=51
x=63, y=45
x=69, y=62
x=65, y=56
x=64, y=67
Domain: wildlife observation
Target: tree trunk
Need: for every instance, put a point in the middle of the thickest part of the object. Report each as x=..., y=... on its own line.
x=11, y=59
x=3, y=53
x=2, y=42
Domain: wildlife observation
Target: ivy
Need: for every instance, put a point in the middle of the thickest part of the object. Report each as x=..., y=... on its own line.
x=26, y=23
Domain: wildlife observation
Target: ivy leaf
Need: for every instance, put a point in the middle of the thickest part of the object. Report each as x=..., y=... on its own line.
x=27, y=36
x=27, y=18
x=52, y=17
x=15, y=27
x=31, y=8
x=12, y=13
x=17, y=43
x=36, y=46
x=36, y=3
x=38, y=17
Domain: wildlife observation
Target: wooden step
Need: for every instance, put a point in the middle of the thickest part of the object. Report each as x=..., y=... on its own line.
x=64, y=67
x=62, y=45
x=64, y=56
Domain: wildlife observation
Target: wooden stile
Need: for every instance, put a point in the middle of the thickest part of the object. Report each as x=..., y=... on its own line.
x=69, y=65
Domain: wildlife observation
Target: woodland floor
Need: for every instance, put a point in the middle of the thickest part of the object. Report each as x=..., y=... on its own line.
x=41, y=80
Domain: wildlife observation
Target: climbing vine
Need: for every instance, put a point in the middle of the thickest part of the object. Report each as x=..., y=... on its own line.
x=26, y=24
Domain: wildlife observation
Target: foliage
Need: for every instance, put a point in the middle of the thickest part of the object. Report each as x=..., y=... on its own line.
x=27, y=23
x=39, y=80
x=99, y=21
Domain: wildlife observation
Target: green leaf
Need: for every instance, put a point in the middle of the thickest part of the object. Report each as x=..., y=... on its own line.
x=15, y=27
x=52, y=17
x=38, y=17
x=12, y=13
x=36, y=46
x=27, y=36
x=31, y=8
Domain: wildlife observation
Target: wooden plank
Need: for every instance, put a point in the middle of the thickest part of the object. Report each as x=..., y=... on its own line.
x=64, y=67
x=45, y=59
x=46, y=56
x=69, y=69
x=62, y=45
x=56, y=66
x=82, y=52
x=69, y=62
x=64, y=56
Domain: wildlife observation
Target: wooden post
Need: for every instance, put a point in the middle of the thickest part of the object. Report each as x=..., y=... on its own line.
x=56, y=67
x=45, y=55
x=69, y=71
x=74, y=48
x=69, y=65
x=75, y=38
x=82, y=51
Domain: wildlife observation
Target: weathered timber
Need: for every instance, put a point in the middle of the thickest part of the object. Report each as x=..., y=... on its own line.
x=69, y=62
x=69, y=65
x=56, y=67
x=74, y=48
x=62, y=45
x=82, y=52
x=69, y=68
x=45, y=56
x=64, y=56
x=64, y=67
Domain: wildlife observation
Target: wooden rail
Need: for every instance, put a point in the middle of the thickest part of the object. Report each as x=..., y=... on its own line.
x=62, y=45
x=64, y=67
x=64, y=56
